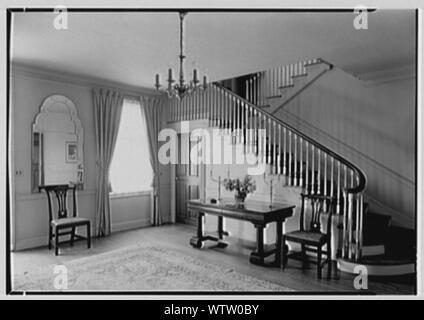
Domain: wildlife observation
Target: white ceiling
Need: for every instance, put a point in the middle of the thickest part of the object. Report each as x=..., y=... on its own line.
x=131, y=48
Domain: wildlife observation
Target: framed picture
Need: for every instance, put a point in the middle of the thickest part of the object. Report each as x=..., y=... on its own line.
x=71, y=151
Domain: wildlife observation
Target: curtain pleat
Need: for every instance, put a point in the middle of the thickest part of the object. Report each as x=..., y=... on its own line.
x=153, y=111
x=107, y=105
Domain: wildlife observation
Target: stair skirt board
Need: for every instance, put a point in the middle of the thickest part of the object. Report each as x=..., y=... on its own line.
x=373, y=250
x=377, y=269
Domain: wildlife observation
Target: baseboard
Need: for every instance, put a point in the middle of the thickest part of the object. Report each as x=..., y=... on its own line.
x=31, y=243
x=41, y=241
x=128, y=225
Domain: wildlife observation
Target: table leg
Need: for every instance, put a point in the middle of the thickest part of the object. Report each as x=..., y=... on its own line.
x=258, y=257
x=221, y=233
x=197, y=241
x=278, y=238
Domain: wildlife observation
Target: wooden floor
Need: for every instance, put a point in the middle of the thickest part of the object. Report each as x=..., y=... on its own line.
x=235, y=256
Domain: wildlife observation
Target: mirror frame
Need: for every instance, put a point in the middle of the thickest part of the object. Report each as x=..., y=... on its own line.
x=48, y=107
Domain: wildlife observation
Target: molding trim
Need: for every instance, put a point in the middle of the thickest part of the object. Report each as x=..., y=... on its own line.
x=325, y=135
x=388, y=75
x=31, y=71
x=42, y=196
x=41, y=241
x=401, y=219
x=132, y=224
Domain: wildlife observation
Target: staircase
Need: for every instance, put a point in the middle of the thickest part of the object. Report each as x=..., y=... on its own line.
x=298, y=159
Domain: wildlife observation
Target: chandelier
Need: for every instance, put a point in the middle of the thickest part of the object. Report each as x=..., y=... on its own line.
x=180, y=88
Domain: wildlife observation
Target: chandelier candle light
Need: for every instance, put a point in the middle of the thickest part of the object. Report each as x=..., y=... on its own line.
x=180, y=89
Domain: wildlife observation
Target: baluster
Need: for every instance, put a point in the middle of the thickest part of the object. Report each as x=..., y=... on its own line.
x=241, y=119
x=295, y=178
x=248, y=126
x=274, y=145
x=231, y=114
x=251, y=130
x=345, y=226
x=217, y=110
x=237, y=120
x=235, y=117
x=307, y=184
x=350, y=224
x=255, y=93
x=313, y=169
x=255, y=131
x=360, y=207
x=338, y=189
x=279, y=152
x=268, y=83
x=290, y=159
x=264, y=138
x=332, y=177
x=247, y=90
x=212, y=107
x=190, y=108
x=245, y=127
x=325, y=180
x=251, y=90
x=301, y=162
x=269, y=135
x=198, y=107
x=284, y=153
x=221, y=99
x=260, y=145
x=319, y=172
x=233, y=122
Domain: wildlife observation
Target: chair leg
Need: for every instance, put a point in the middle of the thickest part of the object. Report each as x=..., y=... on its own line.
x=50, y=237
x=319, y=265
x=303, y=252
x=284, y=253
x=72, y=236
x=88, y=236
x=329, y=260
x=56, y=241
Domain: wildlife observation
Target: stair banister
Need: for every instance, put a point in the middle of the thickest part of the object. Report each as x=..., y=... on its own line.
x=352, y=194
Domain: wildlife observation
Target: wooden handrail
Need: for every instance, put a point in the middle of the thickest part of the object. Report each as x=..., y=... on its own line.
x=359, y=188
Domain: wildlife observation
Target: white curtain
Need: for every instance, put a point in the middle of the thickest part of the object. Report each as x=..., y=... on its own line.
x=152, y=107
x=107, y=114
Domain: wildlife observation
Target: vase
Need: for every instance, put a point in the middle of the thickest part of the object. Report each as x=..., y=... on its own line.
x=239, y=198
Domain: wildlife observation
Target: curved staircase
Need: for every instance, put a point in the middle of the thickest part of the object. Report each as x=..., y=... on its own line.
x=245, y=112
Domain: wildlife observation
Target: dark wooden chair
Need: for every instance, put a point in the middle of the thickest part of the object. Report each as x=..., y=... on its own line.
x=63, y=224
x=313, y=239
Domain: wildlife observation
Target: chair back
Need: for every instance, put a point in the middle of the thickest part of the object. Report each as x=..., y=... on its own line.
x=319, y=204
x=60, y=193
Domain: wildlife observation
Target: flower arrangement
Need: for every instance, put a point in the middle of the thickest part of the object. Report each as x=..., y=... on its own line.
x=242, y=187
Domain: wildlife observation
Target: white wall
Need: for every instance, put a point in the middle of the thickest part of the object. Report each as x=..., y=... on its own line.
x=30, y=222
x=372, y=126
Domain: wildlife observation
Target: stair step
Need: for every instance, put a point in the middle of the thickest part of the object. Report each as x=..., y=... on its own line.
x=291, y=85
x=317, y=61
x=275, y=97
x=299, y=75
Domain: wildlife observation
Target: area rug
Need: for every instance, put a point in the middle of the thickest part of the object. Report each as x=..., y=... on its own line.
x=141, y=269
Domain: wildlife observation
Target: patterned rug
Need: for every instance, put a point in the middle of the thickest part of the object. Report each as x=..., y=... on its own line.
x=141, y=269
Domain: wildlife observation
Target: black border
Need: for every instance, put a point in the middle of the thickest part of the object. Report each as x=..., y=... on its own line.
x=8, y=282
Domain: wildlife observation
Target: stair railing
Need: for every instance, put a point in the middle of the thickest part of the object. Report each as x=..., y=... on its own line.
x=301, y=160
x=265, y=85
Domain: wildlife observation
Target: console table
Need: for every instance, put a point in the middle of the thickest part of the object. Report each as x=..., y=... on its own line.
x=258, y=213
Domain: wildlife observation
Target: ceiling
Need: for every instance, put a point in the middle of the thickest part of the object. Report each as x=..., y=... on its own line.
x=131, y=47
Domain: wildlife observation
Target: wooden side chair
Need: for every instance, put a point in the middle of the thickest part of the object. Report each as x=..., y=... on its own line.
x=63, y=224
x=313, y=239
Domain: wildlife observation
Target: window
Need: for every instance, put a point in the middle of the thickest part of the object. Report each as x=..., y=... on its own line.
x=130, y=169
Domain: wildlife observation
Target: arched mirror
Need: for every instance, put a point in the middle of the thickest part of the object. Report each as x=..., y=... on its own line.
x=57, y=144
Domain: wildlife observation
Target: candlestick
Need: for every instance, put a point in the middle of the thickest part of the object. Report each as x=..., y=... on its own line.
x=195, y=80
x=205, y=82
x=157, y=81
